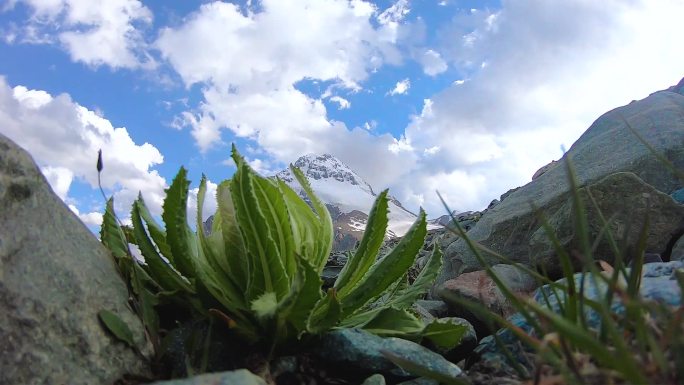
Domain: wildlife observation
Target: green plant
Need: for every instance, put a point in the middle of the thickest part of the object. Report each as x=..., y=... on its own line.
x=644, y=344
x=258, y=269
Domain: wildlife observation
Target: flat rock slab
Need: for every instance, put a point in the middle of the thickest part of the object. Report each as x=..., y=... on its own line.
x=356, y=348
x=55, y=277
x=236, y=377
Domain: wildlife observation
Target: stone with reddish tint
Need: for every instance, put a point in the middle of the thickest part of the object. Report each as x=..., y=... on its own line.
x=478, y=286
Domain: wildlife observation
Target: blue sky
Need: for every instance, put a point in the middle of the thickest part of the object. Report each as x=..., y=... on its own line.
x=465, y=97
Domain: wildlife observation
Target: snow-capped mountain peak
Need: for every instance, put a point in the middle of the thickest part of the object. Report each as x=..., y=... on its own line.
x=348, y=198
x=326, y=166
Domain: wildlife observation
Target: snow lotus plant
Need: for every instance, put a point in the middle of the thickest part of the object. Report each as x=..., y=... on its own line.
x=260, y=264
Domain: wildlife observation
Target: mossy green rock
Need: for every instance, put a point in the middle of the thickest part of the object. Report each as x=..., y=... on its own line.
x=55, y=277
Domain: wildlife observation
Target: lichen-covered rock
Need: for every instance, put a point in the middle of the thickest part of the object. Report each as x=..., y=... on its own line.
x=55, y=277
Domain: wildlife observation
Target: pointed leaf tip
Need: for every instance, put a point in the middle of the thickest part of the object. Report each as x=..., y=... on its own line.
x=116, y=326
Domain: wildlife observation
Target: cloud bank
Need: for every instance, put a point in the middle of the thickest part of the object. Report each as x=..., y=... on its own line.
x=527, y=77
x=64, y=137
x=533, y=76
x=538, y=73
x=250, y=61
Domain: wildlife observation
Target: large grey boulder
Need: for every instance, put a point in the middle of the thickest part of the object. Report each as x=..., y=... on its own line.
x=55, y=277
x=607, y=147
x=629, y=201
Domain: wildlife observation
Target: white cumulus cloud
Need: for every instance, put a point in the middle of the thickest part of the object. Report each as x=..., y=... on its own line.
x=342, y=102
x=92, y=218
x=93, y=32
x=432, y=63
x=401, y=87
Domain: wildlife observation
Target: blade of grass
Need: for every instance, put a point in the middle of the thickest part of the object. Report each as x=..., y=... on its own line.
x=515, y=302
x=634, y=279
x=570, y=308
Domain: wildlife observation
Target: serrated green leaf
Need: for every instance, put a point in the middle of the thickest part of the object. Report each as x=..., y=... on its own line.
x=229, y=297
x=117, y=327
x=444, y=333
x=145, y=301
x=359, y=318
x=278, y=221
x=366, y=254
x=178, y=234
x=158, y=269
x=216, y=221
x=323, y=242
x=389, y=269
x=156, y=232
x=306, y=226
x=235, y=261
x=214, y=242
x=405, y=297
x=326, y=314
x=394, y=322
x=111, y=234
x=304, y=294
x=267, y=272
x=208, y=266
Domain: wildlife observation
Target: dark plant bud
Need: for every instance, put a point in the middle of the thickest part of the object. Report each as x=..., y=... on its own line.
x=99, y=161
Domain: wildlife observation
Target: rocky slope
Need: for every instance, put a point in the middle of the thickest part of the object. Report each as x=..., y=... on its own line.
x=608, y=147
